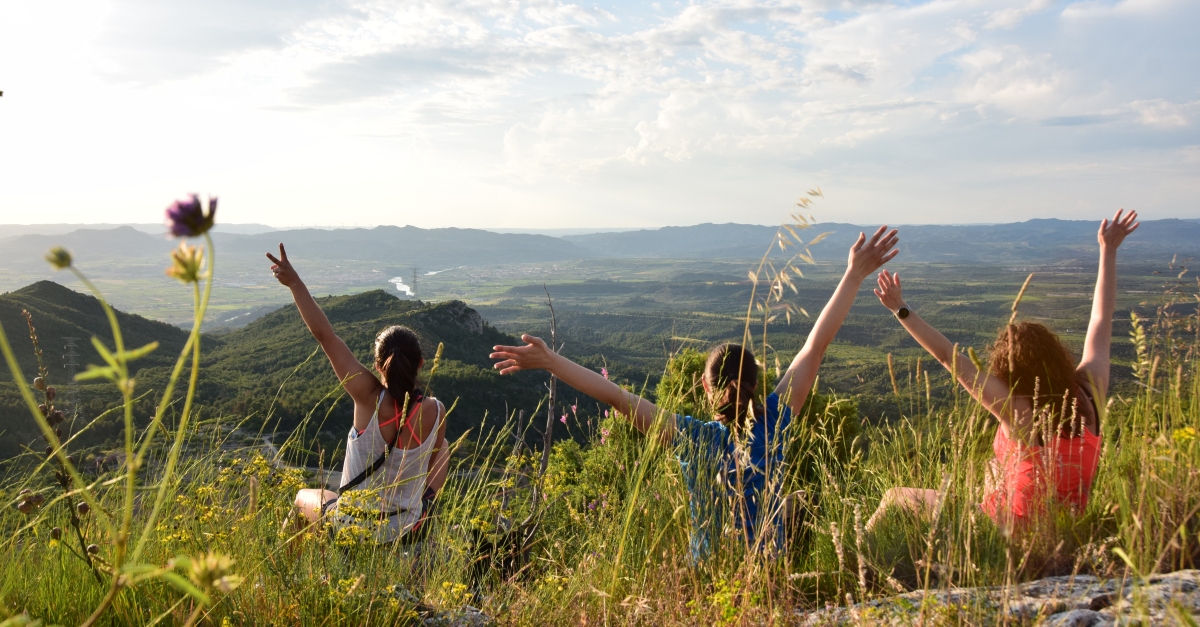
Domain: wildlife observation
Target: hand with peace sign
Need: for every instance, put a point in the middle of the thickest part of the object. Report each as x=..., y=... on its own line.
x=283, y=269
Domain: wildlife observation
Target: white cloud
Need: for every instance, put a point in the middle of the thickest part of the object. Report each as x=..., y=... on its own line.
x=1009, y=17
x=1165, y=114
x=548, y=111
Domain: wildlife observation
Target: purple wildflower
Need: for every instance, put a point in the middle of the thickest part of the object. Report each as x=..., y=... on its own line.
x=563, y=419
x=604, y=372
x=186, y=218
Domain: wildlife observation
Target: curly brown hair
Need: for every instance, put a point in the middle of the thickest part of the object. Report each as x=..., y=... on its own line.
x=1034, y=362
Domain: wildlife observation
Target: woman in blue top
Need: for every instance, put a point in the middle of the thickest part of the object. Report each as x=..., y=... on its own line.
x=709, y=451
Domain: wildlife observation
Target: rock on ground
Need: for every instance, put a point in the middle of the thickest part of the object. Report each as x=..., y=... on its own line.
x=1079, y=601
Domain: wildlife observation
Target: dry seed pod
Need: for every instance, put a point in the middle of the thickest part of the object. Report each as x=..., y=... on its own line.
x=93, y=549
x=83, y=508
x=24, y=507
x=25, y=491
x=56, y=533
x=42, y=408
x=36, y=499
x=49, y=451
x=50, y=392
x=39, y=383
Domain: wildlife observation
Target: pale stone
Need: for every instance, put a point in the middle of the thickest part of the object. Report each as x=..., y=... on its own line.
x=1079, y=601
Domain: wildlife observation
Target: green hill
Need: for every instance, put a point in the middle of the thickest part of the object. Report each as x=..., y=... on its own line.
x=259, y=374
x=249, y=366
x=59, y=312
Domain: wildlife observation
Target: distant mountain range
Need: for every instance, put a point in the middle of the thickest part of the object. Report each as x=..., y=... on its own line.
x=13, y=230
x=1035, y=241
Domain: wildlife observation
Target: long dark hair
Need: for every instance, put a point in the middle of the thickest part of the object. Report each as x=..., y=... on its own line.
x=398, y=357
x=732, y=370
x=1033, y=361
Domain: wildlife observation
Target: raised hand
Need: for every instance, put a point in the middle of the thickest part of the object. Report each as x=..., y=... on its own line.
x=283, y=270
x=867, y=256
x=534, y=355
x=1111, y=234
x=889, y=292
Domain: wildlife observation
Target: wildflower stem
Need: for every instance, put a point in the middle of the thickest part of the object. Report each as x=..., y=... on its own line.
x=201, y=307
x=108, y=599
x=118, y=340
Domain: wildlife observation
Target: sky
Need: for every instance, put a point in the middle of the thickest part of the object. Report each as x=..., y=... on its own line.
x=546, y=114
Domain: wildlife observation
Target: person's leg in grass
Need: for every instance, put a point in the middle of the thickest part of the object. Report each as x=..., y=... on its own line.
x=311, y=502
x=920, y=502
x=310, y=505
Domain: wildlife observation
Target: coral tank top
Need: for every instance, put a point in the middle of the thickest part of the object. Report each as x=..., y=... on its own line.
x=1023, y=476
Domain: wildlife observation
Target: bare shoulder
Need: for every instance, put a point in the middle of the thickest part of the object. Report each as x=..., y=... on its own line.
x=430, y=410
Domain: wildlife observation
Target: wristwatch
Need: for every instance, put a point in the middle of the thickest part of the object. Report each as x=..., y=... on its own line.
x=902, y=313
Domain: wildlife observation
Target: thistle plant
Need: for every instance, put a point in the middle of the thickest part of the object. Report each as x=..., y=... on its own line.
x=55, y=417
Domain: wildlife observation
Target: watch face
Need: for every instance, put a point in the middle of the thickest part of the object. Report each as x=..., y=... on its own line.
x=902, y=313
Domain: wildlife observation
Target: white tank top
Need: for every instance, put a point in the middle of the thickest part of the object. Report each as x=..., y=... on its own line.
x=394, y=490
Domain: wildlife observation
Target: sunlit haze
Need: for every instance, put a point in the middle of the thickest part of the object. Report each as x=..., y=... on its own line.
x=477, y=113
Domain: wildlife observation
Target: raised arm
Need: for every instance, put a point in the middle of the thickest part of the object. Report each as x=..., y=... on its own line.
x=991, y=392
x=535, y=355
x=866, y=256
x=1097, y=347
x=359, y=382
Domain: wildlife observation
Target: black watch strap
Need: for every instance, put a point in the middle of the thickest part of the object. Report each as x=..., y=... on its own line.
x=902, y=313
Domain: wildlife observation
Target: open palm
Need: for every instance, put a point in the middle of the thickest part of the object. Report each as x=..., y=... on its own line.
x=1111, y=234
x=534, y=355
x=889, y=292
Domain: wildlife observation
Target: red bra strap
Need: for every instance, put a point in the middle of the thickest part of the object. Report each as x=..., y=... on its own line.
x=415, y=406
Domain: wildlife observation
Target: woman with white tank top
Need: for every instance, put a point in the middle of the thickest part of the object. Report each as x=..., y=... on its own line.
x=396, y=455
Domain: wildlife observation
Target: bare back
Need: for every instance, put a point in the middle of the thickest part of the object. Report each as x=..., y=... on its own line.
x=420, y=424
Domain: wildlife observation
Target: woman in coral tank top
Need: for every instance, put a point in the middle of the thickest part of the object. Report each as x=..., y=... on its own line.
x=1047, y=446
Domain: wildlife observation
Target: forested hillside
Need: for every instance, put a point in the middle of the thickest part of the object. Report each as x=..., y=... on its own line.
x=265, y=374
